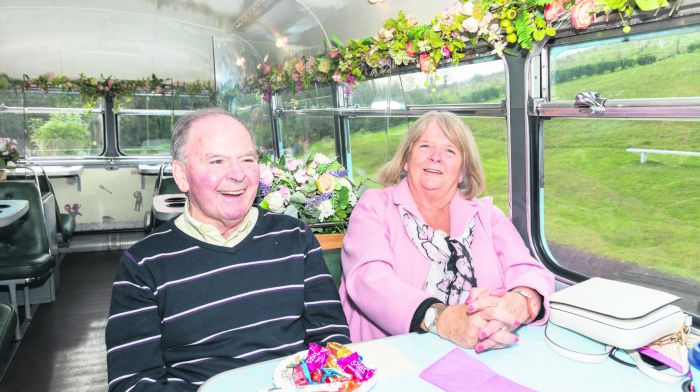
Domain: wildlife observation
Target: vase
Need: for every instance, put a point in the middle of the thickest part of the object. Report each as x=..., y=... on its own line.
x=330, y=241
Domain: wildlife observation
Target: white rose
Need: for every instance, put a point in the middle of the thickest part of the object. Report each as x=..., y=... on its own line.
x=352, y=198
x=326, y=210
x=275, y=201
x=321, y=159
x=470, y=24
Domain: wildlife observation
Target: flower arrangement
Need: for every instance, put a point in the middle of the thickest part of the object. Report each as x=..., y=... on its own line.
x=501, y=24
x=315, y=189
x=8, y=152
x=92, y=88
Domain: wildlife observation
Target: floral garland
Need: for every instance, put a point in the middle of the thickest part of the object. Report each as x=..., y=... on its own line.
x=91, y=88
x=501, y=24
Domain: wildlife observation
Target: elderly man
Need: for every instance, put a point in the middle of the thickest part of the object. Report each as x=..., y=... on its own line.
x=223, y=285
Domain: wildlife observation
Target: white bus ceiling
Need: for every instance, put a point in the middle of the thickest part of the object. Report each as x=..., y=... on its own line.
x=173, y=38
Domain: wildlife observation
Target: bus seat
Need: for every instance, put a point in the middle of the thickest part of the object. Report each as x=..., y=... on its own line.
x=332, y=258
x=168, y=186
x=331, y=245
x=25, y=255
x=8, y=320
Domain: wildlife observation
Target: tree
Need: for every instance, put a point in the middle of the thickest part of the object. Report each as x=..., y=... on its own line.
x=63, y=134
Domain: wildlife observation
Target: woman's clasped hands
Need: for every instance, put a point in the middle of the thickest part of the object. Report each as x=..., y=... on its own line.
x=486, y=320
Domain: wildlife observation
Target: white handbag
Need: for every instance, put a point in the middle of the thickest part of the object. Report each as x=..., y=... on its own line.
x=616, y=314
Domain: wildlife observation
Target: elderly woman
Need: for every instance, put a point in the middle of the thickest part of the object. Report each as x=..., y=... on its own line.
x=424, y=254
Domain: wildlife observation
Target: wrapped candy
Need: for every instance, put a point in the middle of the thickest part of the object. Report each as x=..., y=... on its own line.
x=334, y=364
x=316, y=357
x=338, y=349
x=352, y=364
x=298, y=376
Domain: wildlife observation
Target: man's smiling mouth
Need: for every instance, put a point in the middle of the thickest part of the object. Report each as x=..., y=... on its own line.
x=232, y=193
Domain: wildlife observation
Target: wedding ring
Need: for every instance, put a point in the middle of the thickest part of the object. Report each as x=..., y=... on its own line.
x=503, y=328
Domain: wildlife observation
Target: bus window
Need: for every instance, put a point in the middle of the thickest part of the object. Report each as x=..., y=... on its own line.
x=302, y=133
x=661, y=64
x=620, y=196
x=56, y=124
x=375, y=138
x=145, y=122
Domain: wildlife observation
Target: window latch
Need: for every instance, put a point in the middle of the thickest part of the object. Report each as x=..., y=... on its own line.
x=591, y=101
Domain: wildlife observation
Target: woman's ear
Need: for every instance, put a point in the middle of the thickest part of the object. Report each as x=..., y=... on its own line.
x=180, y=176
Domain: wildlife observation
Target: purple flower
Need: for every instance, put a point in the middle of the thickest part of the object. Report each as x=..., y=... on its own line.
x=316, y=200
x=264, y=188
x=338, y=173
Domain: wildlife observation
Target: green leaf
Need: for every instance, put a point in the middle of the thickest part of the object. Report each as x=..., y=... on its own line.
x=648, y=5
x=523, y=29
x=343, y=198
x=616, y=4
x=336, y=41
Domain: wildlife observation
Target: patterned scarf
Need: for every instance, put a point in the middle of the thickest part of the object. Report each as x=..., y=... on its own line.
x=451, y=272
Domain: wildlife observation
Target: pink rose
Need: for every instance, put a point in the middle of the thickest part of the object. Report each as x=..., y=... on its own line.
x=424, y=63
x=583, y=14
x=333, y=53
x=300, y=67
x=285, y=193
x=553, y=9
x=409, y=49
x=266, y=69
x=446, y=52
x=266, y=175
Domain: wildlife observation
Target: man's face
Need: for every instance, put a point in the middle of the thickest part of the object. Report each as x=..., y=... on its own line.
x=221, y=172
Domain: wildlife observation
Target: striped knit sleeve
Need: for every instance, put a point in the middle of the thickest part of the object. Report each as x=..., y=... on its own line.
x=323, y=315
x=134, y=351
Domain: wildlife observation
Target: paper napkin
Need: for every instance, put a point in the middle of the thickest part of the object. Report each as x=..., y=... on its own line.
x=458, y=371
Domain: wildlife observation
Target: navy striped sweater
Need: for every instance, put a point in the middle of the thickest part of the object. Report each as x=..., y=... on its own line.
x=183, y=310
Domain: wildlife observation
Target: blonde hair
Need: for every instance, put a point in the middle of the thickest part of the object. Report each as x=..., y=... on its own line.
x=458, y=133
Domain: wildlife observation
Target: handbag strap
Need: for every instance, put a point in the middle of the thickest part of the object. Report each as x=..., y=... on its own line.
x=653, y=373
x=576, y=355
x=598, y=358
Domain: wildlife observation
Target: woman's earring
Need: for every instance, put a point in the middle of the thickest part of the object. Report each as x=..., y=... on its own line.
x=403, y=174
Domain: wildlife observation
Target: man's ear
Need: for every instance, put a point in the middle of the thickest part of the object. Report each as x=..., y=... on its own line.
x=180, y=176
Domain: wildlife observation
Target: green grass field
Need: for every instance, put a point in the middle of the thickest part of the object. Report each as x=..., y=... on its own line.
x=598, y=198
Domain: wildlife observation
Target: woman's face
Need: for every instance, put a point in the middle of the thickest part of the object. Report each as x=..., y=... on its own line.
x=435, y=163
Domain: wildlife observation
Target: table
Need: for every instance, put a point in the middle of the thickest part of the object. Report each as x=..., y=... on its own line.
x=168, y=206
x=53, y=171
x=529, y=362
x=12, y=210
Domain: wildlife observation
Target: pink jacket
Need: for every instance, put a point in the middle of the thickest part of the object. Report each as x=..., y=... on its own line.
x=383, y=270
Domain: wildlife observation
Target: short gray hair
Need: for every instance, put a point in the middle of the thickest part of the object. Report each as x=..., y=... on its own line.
x=182, y=127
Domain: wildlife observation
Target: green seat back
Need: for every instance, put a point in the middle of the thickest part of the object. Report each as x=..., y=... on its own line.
x=168, y=186
x=28, y=235
x=332, y=258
